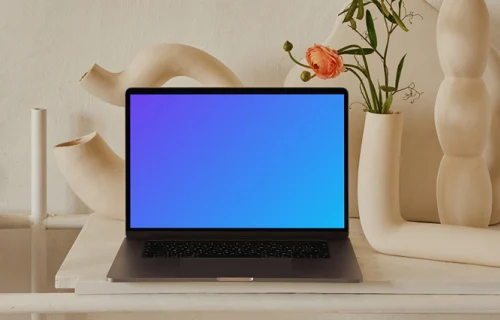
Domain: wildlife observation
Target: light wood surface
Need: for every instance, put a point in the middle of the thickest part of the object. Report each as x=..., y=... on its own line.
x=88, y=262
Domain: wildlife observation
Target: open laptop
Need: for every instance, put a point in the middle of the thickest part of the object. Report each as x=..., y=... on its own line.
x=236, y=184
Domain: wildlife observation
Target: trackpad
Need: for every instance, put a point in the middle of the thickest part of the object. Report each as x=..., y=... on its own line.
x=215, y=267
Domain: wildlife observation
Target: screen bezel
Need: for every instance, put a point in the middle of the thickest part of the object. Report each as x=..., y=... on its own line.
x=237, y=233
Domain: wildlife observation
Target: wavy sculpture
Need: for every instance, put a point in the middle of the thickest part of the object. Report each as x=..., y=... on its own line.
x=91, y=168
x=378, y=189
x=379, y=207
x=155, y=66
x=95, y=173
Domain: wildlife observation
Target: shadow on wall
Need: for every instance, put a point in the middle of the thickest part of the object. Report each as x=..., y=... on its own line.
x=262, y=77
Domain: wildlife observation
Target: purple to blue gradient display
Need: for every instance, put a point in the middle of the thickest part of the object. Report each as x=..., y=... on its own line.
x=237, y=161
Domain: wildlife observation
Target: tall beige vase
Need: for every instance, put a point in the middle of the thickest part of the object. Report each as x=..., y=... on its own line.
x=379, y=206
x=463, y=114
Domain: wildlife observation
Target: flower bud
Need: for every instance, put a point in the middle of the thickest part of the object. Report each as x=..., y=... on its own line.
x=305, y=76
x=288, y=46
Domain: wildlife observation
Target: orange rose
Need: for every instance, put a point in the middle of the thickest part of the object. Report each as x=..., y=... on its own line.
x=325, y=62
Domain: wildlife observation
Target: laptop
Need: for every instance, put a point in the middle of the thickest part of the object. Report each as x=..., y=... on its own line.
x=236, y=185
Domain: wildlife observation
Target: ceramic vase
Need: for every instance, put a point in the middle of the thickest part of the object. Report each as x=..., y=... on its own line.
x=95, y=173
x=463, y=114
x=378, y=187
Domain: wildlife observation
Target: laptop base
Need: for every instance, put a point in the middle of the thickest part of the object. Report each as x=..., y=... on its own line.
x=130, y=266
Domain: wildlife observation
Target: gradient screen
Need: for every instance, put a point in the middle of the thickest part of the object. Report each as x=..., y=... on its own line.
x=266, y=161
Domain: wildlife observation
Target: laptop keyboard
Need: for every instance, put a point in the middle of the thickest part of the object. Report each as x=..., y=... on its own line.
x=236, y=249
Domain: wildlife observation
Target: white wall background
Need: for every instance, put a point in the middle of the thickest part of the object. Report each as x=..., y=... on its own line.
x=46, y=45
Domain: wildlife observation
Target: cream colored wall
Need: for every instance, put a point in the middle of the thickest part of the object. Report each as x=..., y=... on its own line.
x=45, y=46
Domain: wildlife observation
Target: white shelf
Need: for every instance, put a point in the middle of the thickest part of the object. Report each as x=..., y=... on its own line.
x=251, y=303
x=88, y=262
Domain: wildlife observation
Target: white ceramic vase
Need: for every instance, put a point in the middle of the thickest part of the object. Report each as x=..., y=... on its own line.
x=95, y=173
x=463, y=114
x=379, y=206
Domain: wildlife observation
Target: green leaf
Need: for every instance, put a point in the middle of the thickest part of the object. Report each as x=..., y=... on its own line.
x=353, y=24
x=384, y=9
x=400, y=5
x=364, y=93
x=350, y=12
x=372, y=34
x=399, y=21
x=388, y=103
x=374, y=95
x=387, y=89
x=364, y=71
x=348, y=7
x=357, y=52
x=362, y=89
x=361, y=10
x=400, y=69
x=380, y=96
x=347, y=47
x=388, y=16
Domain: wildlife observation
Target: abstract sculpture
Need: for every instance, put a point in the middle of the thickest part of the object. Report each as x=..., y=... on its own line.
x=95, y=173
x=155, y=66
x=91, y=168
x=463, y=114
x=379, y=207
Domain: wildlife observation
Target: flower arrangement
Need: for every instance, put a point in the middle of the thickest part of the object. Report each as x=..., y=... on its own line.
x=327, y=63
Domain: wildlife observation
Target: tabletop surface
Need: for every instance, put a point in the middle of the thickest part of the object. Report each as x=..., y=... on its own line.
x=92, y=254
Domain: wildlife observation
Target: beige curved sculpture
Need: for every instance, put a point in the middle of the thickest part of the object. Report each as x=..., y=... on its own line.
x=95, y=173
x=379, y=207
x=153, y=67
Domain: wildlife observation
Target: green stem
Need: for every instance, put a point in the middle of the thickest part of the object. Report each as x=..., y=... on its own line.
x=365, y=94
x=376, y=51
x=297, y=62
x=356, y=67
x=402, y=89
x=377, y=104
x=386, y=69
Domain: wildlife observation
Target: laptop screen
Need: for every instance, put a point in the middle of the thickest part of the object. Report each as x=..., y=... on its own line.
x=236, y=161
